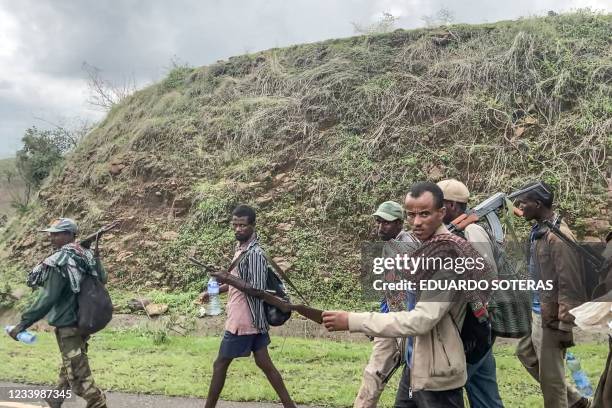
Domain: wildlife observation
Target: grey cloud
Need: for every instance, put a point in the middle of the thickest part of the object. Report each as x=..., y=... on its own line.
x=139, y=37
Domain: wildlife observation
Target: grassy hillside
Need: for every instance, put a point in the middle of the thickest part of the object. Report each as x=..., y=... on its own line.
x=8, y=190
x=316, y=135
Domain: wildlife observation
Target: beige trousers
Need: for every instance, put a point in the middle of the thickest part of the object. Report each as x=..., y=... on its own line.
x=385, y=353
x=543, y=357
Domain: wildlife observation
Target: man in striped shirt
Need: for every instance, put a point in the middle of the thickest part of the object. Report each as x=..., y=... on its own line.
x=246, y=327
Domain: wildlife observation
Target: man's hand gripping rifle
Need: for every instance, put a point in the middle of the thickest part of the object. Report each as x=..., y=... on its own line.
x=225, y=277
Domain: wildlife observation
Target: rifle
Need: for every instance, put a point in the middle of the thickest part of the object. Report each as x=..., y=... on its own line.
x=487, y=209
x=598, y=263
x=397, y=363
x=308, y=312
x=88, y=240
x=595, y=259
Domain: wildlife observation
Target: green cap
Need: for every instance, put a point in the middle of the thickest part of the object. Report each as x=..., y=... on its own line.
x=62, y=225
x=389, y=211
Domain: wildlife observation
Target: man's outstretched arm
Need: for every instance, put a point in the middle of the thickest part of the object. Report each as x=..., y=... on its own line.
x=47, y=297
x=419, y=321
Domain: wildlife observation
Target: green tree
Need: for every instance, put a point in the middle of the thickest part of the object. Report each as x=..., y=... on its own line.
x=42, y=151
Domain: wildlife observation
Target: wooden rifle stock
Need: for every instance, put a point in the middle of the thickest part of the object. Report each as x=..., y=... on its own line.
x=308, y=312
x=462, y=221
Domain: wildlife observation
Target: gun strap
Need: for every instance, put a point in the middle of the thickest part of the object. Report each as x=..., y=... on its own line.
x=589, y=256
x=276, y=267
x=236, y=261
x=97, y=248
x=284, y=276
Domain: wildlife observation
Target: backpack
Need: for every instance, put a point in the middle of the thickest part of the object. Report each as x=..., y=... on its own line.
x=275, y=286
x=509, y=310
x=476, y=337
x=593, y=273
x=475, y=334
x=95, y=305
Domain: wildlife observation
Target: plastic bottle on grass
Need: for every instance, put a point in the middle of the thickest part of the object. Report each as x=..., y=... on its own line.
x=583, y=385
x=24, y=336
x=214, y=305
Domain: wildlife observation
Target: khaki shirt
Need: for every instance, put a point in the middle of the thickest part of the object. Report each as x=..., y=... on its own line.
x=439, y=359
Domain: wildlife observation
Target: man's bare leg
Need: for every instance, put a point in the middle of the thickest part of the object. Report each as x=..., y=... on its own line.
x=220, y=367
x=264, y=362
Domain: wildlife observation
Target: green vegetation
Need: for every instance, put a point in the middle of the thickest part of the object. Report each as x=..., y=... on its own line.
x=316, y=372
x=316, y=135
x=8, y=187
x=7, y=164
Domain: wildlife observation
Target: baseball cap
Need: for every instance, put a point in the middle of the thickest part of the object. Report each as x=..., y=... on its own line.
x=454, y=190
x=389, y=211
x=62, y=225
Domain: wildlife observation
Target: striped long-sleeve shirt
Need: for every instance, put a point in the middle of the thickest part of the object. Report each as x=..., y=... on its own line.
x=253, y=269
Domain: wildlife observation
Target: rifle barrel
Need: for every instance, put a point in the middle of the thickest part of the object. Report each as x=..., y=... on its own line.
x=596, y=260
x=87, y=241
x=197, y=262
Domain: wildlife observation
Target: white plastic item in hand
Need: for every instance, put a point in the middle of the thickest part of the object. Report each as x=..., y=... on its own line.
x=594, y=316
x=23, y=336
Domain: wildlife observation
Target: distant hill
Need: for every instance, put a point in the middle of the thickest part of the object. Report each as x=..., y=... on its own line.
x=316, y=135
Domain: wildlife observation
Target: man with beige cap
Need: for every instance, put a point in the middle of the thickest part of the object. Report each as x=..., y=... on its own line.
x=386, y=351
x=481, y=386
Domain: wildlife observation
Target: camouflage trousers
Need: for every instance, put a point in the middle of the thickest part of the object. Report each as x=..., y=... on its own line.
x=75, y=373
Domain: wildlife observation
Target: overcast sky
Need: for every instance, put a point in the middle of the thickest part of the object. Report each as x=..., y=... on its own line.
x=43, y=44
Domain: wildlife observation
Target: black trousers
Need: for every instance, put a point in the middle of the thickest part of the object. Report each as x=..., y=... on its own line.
x=426, y=399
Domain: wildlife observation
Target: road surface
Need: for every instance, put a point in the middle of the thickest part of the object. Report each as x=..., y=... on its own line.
x=123, y=400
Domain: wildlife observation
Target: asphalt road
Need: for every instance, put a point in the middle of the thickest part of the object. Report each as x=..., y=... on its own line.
x=122, y=400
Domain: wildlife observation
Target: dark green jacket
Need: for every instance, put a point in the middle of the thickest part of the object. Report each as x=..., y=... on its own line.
x=56, y=300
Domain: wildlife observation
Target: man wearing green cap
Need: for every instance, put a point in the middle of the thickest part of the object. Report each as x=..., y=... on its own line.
x=386, y=352
x=59, y=278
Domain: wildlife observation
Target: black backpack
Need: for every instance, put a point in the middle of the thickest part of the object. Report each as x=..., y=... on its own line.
x=95, y=305
x=275, y=286
x=476, y=335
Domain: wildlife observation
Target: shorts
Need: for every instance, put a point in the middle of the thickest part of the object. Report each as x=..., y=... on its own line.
x=233, y=345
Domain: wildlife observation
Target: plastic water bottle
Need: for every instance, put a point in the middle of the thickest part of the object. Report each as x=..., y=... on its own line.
x=24, y=336
x=580, y=378
x=214, y=305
